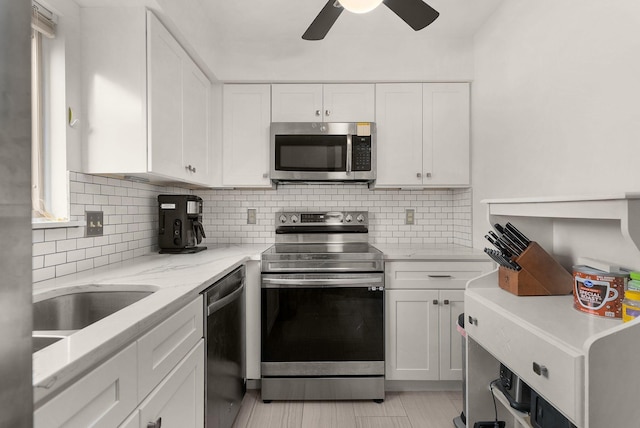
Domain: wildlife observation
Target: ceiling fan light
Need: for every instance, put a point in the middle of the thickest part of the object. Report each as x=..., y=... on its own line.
x=360, y=6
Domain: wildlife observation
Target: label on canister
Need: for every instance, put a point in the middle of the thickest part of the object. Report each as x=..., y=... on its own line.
x=597, y=292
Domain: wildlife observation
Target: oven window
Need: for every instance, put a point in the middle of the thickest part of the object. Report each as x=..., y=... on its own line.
x=322, y=324
x=311, y=152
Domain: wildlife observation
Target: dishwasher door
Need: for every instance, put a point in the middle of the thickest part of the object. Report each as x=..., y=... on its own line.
x=225, y=353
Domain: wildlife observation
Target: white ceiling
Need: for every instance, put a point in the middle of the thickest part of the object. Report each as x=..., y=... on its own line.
x=260, y=20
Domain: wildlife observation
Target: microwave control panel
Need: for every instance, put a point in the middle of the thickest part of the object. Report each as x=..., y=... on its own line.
x=361, y=153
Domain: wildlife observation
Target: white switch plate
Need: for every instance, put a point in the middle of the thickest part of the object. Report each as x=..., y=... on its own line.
x=251, y=216
x=410, y=216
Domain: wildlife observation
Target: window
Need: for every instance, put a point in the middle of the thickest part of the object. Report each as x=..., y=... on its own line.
x=42, y=24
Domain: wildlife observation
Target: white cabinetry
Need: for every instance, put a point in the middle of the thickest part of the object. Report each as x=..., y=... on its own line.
x=423, y=301
x=586, y=364
x=245, y=147
x=104, y=397
x=146, y=101
x=341, y=102
x=161, y=374
x=423, y=134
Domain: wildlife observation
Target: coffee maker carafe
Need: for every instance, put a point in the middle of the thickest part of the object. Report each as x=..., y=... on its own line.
x=180, y=222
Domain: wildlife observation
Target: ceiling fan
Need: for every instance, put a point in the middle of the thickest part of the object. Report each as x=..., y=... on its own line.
x=416, y=13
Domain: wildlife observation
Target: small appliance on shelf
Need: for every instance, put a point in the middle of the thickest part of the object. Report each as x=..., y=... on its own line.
x=180, y=224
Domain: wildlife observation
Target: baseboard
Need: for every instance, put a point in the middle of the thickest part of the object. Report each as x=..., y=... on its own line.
x=422, y=385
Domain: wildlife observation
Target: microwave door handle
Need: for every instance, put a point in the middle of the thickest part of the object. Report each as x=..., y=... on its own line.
x=349, y=154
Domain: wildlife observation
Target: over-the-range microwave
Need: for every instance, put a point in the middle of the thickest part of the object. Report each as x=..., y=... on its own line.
x=323, y=151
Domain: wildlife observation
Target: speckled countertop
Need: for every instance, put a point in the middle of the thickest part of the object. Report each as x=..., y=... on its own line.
x=176, y=280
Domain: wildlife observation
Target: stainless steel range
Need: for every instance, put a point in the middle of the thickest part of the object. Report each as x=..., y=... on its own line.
x=322, y=309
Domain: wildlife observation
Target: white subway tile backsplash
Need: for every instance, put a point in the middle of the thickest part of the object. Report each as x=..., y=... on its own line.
x=130, y=213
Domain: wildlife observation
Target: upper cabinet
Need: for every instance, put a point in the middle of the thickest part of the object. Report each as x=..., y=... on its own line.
x=245, y=128
x=147, y=107
x=423, y=134
x=323, y=103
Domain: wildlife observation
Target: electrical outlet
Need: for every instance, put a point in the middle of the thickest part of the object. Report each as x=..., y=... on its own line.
x=95, y=223
x=410, y=216
x=251, y=216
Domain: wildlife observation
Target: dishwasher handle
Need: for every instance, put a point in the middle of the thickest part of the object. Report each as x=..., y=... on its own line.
x=218, y=304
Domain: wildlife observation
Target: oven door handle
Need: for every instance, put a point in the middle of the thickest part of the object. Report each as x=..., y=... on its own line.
x=321, y=282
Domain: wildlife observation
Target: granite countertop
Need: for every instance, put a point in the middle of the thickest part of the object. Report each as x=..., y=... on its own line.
x=176, y=280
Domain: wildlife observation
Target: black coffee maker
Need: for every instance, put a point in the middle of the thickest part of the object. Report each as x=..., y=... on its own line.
x=180, y=221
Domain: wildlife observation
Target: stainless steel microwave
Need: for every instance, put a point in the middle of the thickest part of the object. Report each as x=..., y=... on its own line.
x=319, y=151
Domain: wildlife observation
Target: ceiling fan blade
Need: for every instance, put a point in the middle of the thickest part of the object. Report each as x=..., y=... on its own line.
x=416, y=13
x=324, y=21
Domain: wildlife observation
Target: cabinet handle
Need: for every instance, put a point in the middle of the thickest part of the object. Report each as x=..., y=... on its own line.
x=327, y=112
x=156, y=424
x=446, y=302
x=473, y=321
x=317, y=112
x=435, y=301
x=439, y=276
x=428, y=175
x=419, y=175
x=191, y=168
x=540, y=370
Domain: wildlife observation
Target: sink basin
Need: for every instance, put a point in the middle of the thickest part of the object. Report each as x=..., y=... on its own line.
x=78, y=310
x=40, y=342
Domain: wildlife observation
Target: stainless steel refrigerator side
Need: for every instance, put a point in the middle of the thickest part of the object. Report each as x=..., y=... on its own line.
x=16, y=390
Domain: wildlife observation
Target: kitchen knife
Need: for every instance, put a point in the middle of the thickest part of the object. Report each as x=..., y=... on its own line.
x=499, y=246
x=513, y=249
x=518, y=234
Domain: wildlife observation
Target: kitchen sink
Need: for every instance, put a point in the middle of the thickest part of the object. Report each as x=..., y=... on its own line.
x=77, y=310
x=39, y=342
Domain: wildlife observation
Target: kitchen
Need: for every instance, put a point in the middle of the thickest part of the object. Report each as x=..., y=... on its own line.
x=542, y=116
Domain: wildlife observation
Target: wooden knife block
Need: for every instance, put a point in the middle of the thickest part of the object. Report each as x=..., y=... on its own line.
x=541, y=275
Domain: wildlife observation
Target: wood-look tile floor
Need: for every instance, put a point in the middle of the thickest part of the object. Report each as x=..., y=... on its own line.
x=432, y=409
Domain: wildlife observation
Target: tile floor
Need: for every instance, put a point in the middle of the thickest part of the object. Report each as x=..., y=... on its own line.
x=431, y=409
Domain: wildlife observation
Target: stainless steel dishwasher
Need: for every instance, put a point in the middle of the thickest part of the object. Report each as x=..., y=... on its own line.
x=225, y=383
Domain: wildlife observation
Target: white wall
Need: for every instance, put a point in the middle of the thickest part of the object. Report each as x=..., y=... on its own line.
x=556, y=101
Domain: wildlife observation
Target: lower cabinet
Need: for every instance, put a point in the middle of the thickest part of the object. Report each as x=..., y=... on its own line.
x=422, y=302
x=178, y=400
x=422, y=340
x=158, y=376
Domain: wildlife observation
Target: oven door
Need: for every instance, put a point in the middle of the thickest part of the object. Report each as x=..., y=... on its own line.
x=322, y=325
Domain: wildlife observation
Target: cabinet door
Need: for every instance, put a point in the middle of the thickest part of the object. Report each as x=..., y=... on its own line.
x=178, y=401
x=246, y=124
x=451, y=305
x=196, y=141
x=161, y=349
x=102, y=398
x=399, y=125
x=412, y=335
x=446, y=133
x=296, y=103
x=349, y=103
x=164, y=101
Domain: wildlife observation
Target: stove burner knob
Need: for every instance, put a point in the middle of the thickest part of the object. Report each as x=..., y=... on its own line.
x=283, y=218
x=294, y=218
x=360, y=218
x=348, y=218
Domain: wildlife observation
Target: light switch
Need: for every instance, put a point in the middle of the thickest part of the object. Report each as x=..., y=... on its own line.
x=251, y=216
x=95, y=223
x=409, y=216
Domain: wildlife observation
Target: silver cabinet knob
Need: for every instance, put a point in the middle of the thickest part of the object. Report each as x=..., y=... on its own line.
x=540, y=370
x=156, y=424
x=428, y=175
x=327, y=112
x=435, y=301
x=317, y=112
x=419, y=175
x=446, y=302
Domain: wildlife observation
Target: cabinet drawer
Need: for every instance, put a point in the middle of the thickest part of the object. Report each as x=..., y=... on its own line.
x=520, y=347
x=163, y=347
x=433, y=275
x=103, y=398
